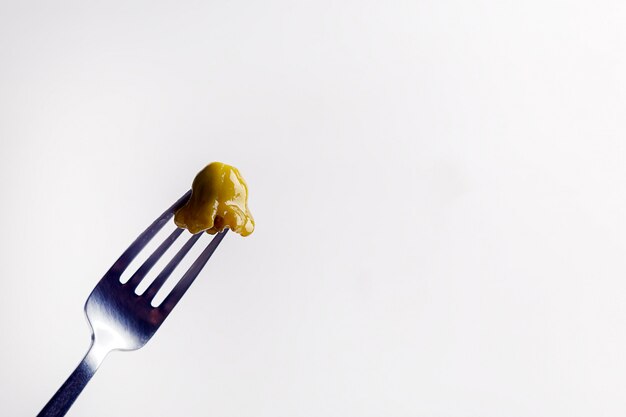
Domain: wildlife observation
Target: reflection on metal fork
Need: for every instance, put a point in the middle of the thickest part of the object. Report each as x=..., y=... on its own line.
x=123, y=320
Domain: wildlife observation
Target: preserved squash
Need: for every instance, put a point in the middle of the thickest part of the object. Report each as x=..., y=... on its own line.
x=219, y=200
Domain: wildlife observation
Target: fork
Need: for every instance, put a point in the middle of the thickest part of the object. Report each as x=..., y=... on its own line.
x=122, y=320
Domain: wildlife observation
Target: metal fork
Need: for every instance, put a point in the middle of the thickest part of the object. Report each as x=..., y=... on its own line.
x=122, y=320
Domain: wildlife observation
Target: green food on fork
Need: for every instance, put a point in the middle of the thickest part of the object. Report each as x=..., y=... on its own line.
x=119, y=318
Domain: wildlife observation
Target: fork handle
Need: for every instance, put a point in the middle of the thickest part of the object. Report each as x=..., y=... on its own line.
x=61, y=402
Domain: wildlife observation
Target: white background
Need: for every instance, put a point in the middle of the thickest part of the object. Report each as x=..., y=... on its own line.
x=439, y=189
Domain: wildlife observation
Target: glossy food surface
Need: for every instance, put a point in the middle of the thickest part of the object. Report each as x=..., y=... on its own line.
x=219, y=199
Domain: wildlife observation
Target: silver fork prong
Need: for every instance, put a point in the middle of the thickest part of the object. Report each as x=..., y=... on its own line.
x=142, y=240
x=158, y=282
x=185, y=282
x=152, y=259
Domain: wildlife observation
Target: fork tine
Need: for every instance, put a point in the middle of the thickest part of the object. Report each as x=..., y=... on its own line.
x=169, y=268
x=153, y=258
x=185, y=282
x=129, y=254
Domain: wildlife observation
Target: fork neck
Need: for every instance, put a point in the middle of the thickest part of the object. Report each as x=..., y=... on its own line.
x=95, y=355
x=74, y=385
